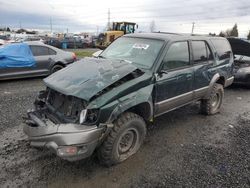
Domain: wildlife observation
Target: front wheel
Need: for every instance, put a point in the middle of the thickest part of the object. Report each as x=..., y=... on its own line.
x=124, y=140
x=213, y=103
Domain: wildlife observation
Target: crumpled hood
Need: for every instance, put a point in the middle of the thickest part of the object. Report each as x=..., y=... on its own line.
x=87, y=77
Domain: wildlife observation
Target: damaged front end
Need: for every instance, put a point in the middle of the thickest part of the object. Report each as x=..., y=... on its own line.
x=58, y=123
x=77, y=110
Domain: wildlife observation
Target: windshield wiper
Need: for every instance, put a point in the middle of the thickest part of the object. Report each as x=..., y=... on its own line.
x=100, y=56
x=125, y=61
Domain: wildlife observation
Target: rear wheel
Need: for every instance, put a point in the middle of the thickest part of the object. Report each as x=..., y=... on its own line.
x=56, y=68
x=213, y=103
x=124, y=140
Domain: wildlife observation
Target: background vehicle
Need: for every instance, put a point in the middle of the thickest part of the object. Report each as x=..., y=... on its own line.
x=48, y=60
x=241, y=50
x=242, y=70
x=118, y=29
x=69, y=42
x=106, y=101
x=74, y=42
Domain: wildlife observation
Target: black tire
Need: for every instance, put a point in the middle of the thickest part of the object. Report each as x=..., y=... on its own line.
x=56, y=68
x=129, y=127
x=212, y=105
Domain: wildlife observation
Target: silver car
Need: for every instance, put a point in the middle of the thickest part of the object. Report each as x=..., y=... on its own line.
x=48, y=60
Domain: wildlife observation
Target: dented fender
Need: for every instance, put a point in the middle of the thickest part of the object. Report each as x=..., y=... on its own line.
x=111, y=111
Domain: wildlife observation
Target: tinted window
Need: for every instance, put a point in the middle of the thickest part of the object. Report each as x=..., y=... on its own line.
x=201, y=51
x=39, y=50
x=52, y=52
x=177, y=56
x=222, y=47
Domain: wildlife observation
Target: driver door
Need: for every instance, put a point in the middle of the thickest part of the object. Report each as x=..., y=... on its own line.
x=175, y=78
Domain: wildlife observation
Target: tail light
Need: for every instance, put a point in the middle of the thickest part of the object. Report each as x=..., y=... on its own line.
x=74, y=56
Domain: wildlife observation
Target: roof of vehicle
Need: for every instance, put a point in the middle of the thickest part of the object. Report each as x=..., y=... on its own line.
x=39, y=43
x=34, y=43
x=171, y=36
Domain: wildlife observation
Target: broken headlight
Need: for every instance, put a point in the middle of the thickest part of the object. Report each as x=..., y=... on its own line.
x=83, y=116
x=41, y=99
x=88, y=116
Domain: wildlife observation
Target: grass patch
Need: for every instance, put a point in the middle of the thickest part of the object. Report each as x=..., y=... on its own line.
x=83, y=53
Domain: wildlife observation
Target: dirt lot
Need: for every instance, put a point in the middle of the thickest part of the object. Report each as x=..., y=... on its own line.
x=182, y=148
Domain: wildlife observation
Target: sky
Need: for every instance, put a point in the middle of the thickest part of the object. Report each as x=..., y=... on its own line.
x=92, y=15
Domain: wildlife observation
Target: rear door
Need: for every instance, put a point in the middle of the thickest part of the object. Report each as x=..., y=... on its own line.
x=202, y=60
x=175, y=78
x=44, y=58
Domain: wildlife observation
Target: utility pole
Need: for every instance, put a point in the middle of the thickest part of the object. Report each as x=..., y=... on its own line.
x=97, y=30
x=193, y=28
x=50, y=25
x=109, y=19
x=20, y=24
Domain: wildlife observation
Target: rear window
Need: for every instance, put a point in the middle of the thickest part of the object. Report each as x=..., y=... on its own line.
x=39, y=50
x=52, y=52
x=222, y=47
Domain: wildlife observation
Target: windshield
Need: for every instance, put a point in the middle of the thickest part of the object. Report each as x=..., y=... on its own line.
x=141, y=52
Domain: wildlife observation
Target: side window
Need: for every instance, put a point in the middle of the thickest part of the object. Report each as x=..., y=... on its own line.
x=39, y=50
x=33, y=50
x=201, y=52
x=177, y=56
x=222, y=47
x=52, y=52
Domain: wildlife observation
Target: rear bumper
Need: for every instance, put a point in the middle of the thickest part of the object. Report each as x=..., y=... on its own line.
x=81, y=139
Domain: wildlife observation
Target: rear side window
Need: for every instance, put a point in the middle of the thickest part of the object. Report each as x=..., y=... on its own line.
x=177, y=56
x=201, y=52
x=52, y=52
x=39, y=50
x=222, y=47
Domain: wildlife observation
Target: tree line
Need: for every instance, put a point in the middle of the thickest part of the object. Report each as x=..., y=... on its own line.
x=232, y=32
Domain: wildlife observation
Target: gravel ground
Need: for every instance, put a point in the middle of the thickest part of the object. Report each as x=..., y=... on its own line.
x=182, y=148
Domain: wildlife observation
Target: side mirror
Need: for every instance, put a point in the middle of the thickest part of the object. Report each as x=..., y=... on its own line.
x=163, y=71
x=96, y=54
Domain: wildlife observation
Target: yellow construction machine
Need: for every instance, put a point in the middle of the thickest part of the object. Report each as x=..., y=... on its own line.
x=118, y=29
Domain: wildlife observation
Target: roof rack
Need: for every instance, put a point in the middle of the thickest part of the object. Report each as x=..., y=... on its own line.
x=167, y=33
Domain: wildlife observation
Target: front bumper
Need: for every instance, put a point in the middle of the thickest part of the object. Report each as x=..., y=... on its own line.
x=80, y=140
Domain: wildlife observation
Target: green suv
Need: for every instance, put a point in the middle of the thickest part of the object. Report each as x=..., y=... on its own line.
x=103, y=104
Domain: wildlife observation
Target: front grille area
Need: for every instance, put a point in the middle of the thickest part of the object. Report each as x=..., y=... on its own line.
x=68, y=108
